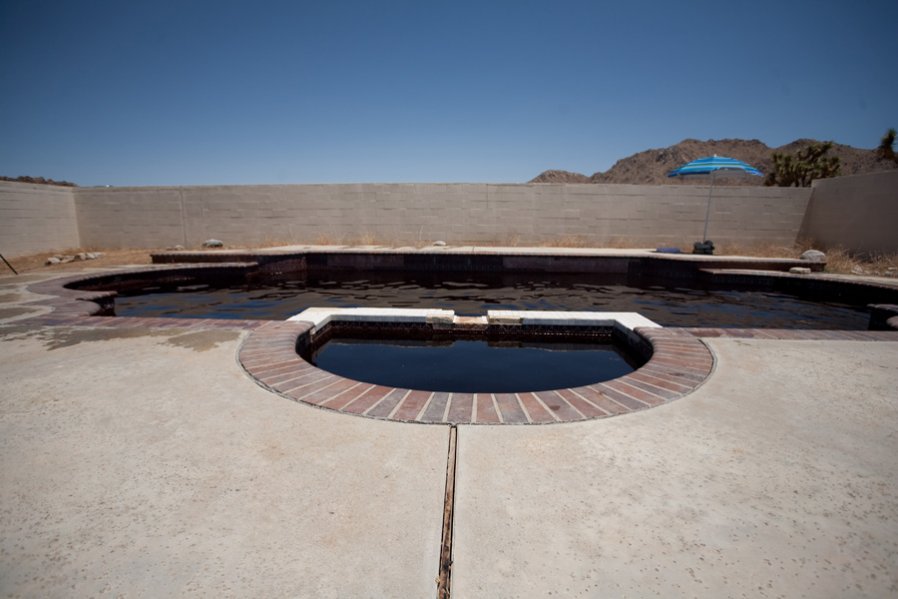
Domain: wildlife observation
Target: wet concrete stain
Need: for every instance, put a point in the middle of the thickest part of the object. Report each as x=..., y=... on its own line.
x=15, y=311
x=60, y=337
x=203, y=340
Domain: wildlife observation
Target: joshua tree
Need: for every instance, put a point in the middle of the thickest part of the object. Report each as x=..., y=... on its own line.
x=885, y=151
x=799, y=169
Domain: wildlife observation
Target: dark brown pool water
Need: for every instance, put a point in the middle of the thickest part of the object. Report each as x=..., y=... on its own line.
x=475, y=293
x=469, y=366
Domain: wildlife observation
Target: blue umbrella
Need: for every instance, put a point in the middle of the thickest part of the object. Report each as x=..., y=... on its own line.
x=709, y=165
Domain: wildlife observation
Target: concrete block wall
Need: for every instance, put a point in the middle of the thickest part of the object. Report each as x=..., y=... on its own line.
x=36, y=218
x=421, y=213
x=147, y=217
x=859, y=213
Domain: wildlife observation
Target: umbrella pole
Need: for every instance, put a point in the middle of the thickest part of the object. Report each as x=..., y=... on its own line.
x=708, y=209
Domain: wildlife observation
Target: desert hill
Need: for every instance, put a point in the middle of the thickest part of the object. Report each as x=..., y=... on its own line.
x=37, y=180
x=652, y=166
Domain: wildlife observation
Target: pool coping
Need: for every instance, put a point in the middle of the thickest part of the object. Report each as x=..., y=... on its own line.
x=480, y=258
x=678, y=365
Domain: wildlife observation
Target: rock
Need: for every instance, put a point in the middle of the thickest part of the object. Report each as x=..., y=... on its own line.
x=857, y=270
x=65, y=259
x=800, y=270
x=703, y=247
x=814, y=256
x=213, y=243
x=177, y=248
x=439, y=243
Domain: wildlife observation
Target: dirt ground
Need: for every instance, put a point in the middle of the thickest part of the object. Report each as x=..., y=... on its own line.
x=37, y=262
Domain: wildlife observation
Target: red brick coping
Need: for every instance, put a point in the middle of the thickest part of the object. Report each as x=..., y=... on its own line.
x=680, y=362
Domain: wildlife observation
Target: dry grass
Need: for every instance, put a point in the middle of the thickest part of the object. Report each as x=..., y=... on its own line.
x=365, y=238
x=838, y=259
x=510, y=241
x=579, y=241
x=110, y=257
x=568, y=241
x=880, y=265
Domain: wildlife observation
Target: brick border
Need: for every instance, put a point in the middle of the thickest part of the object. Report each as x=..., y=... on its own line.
x=79, y=307
x=679, y=364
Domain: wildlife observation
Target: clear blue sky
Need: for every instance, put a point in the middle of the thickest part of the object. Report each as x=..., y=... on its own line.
x=166, y=92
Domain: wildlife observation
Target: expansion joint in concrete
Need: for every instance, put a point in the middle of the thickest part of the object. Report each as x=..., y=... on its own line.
x=444, y=578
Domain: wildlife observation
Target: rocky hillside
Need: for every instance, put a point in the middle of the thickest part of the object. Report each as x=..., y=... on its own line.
x=652, y=166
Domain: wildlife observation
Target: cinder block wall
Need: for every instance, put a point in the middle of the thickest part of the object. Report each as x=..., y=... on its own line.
x=421, y=213
x=859, y=213
x=36, y=218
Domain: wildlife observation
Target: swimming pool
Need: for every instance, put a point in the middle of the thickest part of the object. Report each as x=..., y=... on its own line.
x=669, y=303
x=674, y=358
x=471, y=365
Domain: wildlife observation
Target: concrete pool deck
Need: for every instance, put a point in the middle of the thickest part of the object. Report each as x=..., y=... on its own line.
x=143, y=461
